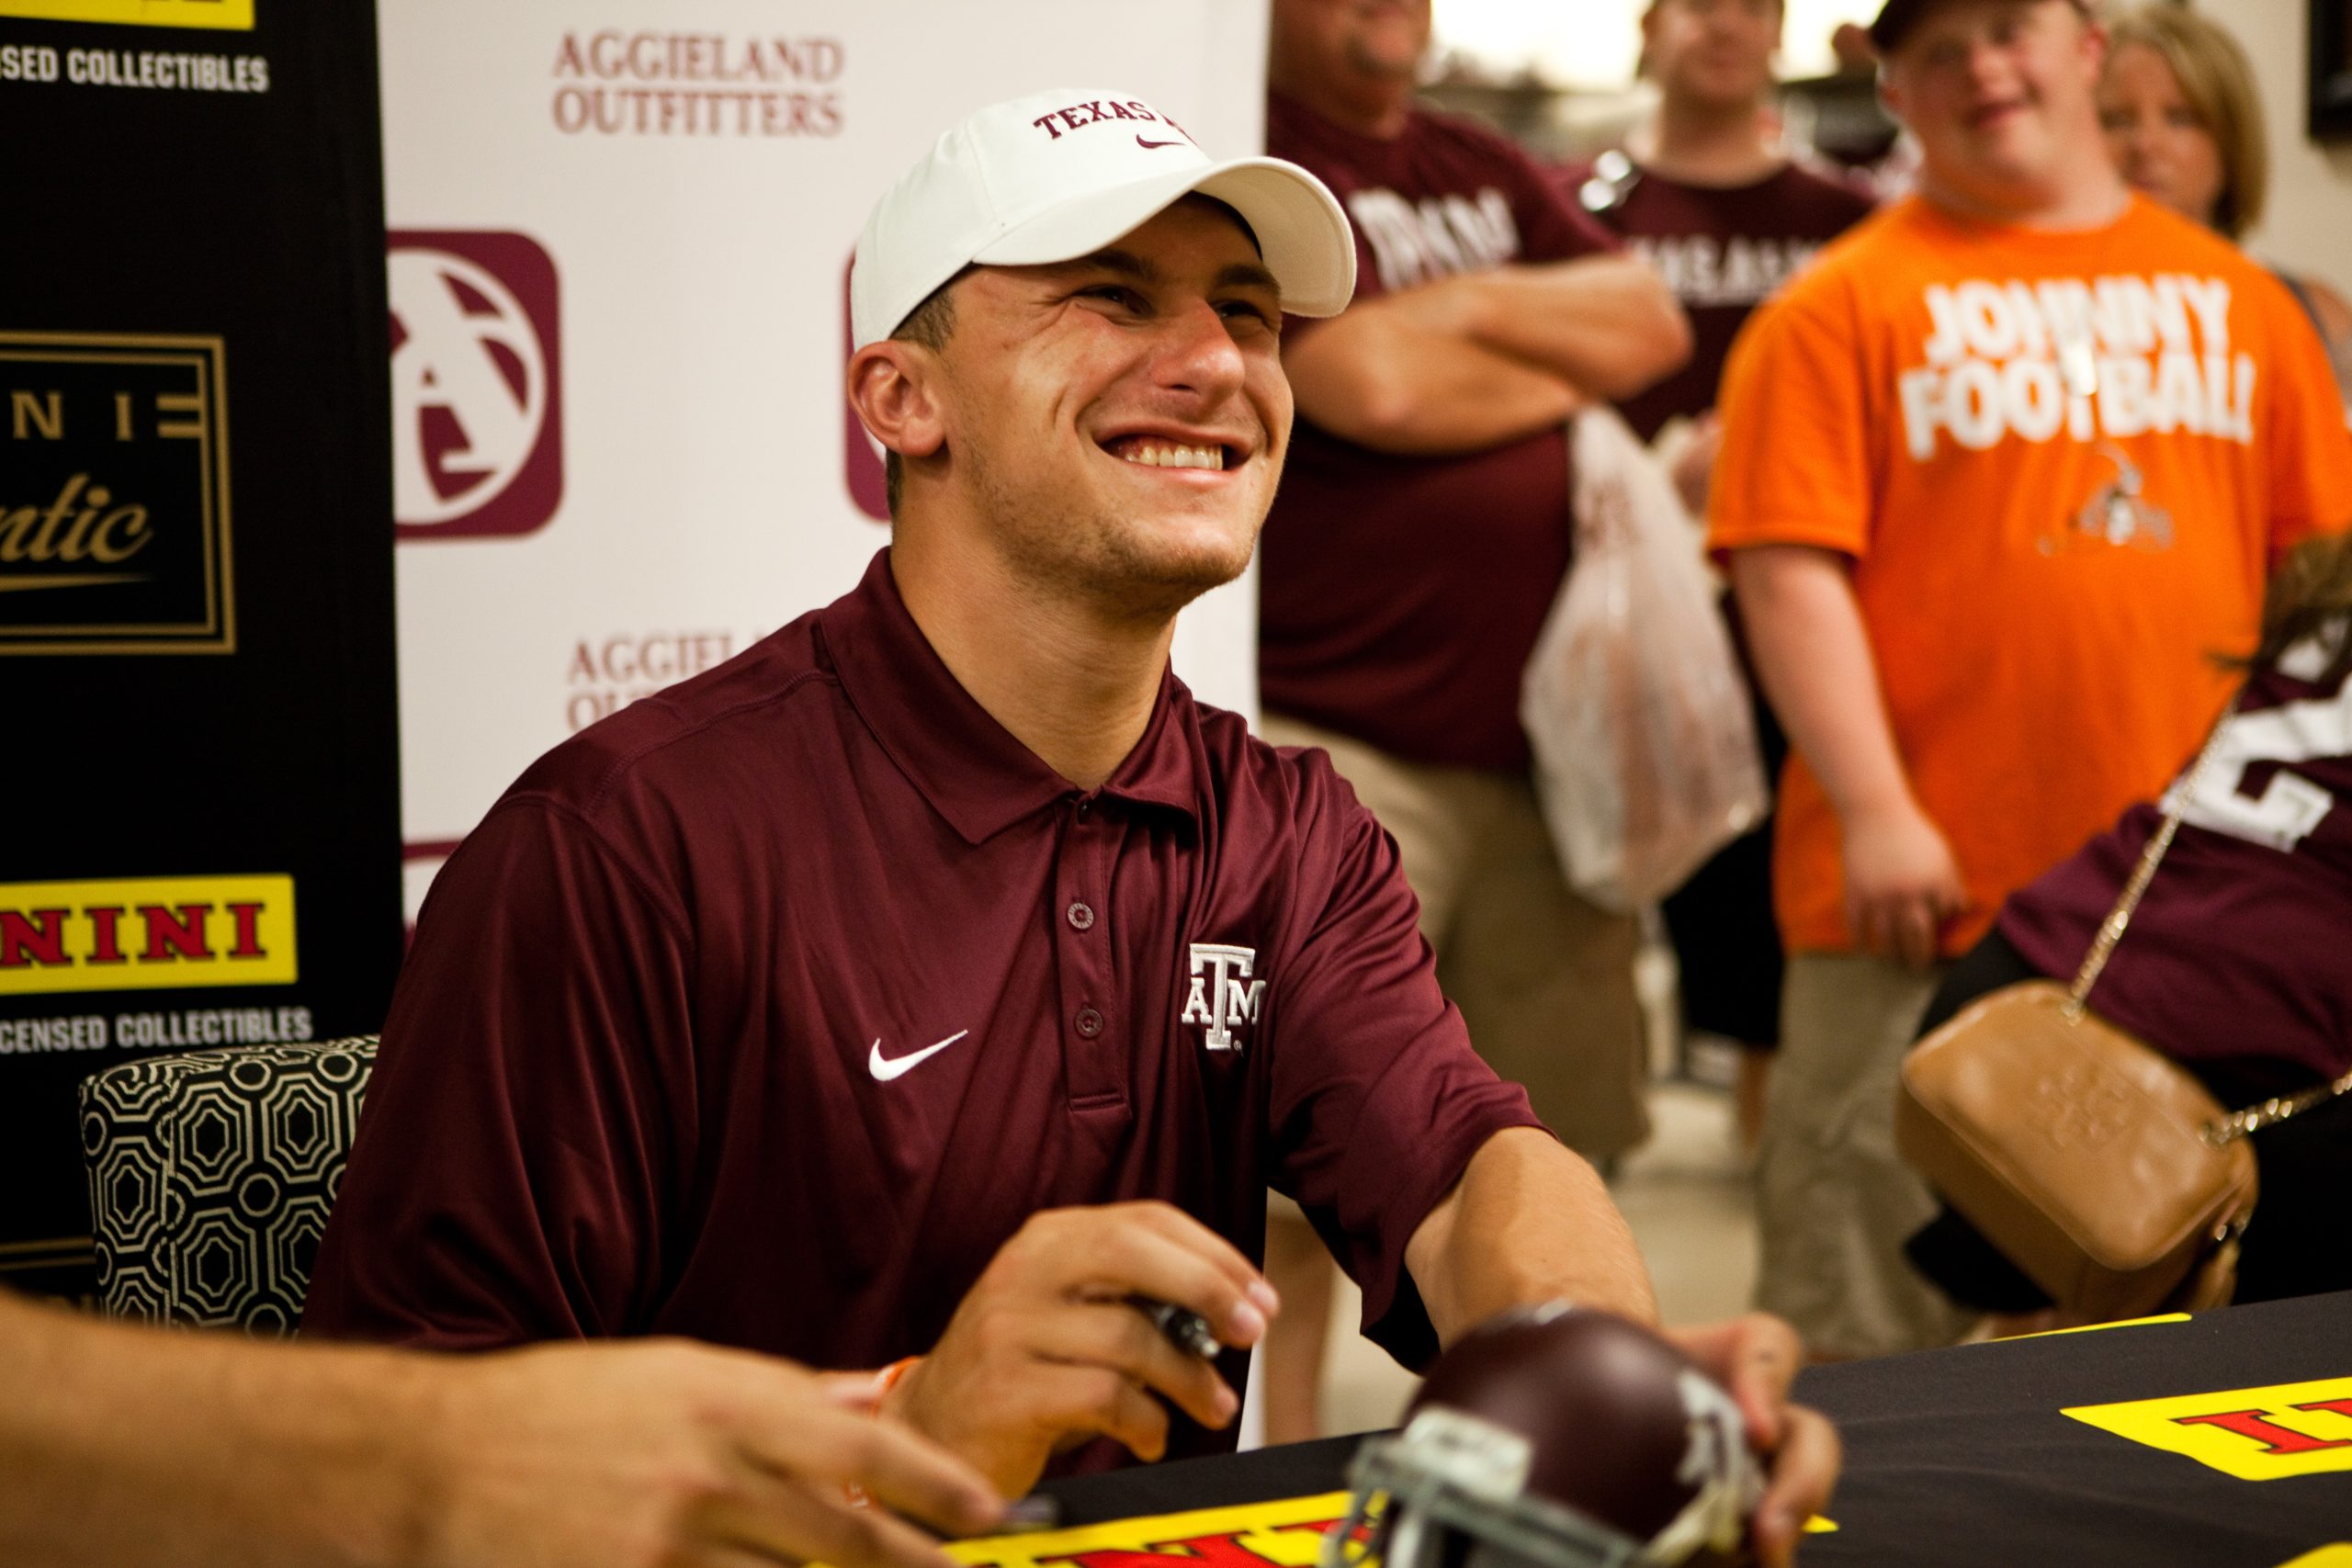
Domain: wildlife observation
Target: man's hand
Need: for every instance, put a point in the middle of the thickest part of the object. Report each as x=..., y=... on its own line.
x=1692, y=467
x=665, y=1453
x=1902, y=882
x=1045, y=1351
x=1757, y=1357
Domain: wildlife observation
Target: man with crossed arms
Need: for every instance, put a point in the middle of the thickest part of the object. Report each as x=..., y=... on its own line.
x=925, y=984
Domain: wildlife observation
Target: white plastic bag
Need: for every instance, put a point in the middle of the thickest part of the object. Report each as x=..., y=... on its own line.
x=1644, y=748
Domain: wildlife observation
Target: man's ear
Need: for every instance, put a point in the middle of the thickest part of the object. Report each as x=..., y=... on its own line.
x=894, y=387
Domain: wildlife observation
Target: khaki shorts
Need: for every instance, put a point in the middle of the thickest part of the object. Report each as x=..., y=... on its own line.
x=1834, y=1200
x=1544, y=979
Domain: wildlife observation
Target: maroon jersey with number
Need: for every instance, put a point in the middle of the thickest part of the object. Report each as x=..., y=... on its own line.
x=2242, y=946
x=766, y=1011
x=1399, y=597
x=1724, y=250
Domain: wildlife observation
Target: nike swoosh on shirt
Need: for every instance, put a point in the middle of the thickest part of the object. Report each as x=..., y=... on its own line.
x=1141, y=143
x=885, y=1069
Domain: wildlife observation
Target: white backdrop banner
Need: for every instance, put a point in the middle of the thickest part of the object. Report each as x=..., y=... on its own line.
x=619, y=257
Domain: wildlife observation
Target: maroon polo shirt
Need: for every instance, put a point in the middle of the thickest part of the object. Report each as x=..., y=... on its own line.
x=766, y=1010
x=2240, y=949
x=1724, y=250
x=1399, y=597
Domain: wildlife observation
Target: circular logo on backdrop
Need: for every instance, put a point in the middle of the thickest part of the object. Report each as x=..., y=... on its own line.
x=477, y=432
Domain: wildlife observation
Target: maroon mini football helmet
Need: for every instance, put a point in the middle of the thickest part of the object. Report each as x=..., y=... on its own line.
x=1556, y=1437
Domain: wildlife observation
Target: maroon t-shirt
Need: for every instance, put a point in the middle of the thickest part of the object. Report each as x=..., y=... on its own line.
x=2240, y=949
x=1724, y=250
x=766, y=1011
x=1399, y=597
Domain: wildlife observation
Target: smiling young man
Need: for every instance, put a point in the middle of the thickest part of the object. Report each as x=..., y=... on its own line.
x=2001, y=475
x=879, y=973
x=938, y=976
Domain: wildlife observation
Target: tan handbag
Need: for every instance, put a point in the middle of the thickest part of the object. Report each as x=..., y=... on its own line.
x=2095, y=1164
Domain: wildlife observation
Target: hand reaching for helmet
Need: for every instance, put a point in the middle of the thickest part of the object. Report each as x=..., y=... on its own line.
x=1757, y=1357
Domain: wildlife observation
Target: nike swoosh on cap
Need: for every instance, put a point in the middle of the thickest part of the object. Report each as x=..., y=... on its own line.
x=1141, y=143
x=885, y=1069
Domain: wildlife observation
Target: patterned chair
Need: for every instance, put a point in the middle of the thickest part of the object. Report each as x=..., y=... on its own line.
x=211, y=1173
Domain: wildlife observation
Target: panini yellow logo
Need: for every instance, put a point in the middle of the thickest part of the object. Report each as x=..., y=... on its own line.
x=1284, y=1533
x=233, y=15
x=146, y=933
x=2336, y=1556
x=2255, y=1434
x=1287, y=1533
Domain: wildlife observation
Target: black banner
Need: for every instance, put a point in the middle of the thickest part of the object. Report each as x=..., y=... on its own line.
x=199, y=834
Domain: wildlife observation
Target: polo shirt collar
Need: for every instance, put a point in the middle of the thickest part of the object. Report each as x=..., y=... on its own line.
x=969, y=767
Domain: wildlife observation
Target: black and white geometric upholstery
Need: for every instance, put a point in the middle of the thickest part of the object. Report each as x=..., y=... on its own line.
x=211, y=1173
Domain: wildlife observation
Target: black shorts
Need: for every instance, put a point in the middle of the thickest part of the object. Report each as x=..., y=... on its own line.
x=1726, y=944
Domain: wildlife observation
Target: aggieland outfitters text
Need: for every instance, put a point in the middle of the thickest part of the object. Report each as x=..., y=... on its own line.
x=658, y=84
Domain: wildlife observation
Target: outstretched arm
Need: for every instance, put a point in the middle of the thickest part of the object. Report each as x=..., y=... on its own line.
x=125, y=1447
x=1530, y=1223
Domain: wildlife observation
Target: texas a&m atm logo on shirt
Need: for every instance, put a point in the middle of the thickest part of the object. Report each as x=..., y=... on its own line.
x=476, y=385
x=1222, y=996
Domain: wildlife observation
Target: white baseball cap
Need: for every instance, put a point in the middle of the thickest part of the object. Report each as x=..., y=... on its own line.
x=1059, y=174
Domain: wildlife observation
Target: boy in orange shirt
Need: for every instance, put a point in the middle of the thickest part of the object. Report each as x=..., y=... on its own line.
x=2000, y=475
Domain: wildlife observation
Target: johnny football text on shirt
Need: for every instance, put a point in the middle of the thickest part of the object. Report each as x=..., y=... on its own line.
x=2109, y=357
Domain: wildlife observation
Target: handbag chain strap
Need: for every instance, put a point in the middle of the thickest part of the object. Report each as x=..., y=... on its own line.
x=2110, y=929
x=2237, y=1124
x=2254, y=1118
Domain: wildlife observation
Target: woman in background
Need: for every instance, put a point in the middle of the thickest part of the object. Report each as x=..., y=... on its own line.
x=2182, y=120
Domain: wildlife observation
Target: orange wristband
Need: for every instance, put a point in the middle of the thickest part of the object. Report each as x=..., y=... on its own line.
x=888, y=1378
x=884, y=1382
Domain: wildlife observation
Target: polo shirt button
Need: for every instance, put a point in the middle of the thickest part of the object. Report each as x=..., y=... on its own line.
x=1080, y=917
x=1089, y=1022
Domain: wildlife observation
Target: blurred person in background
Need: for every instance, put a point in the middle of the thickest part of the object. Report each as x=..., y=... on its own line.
x=2179, y=106
x=2000, y=472
x=1839, y=118
x=1705, y=193
x=1850, y=47
x=1416, y=545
